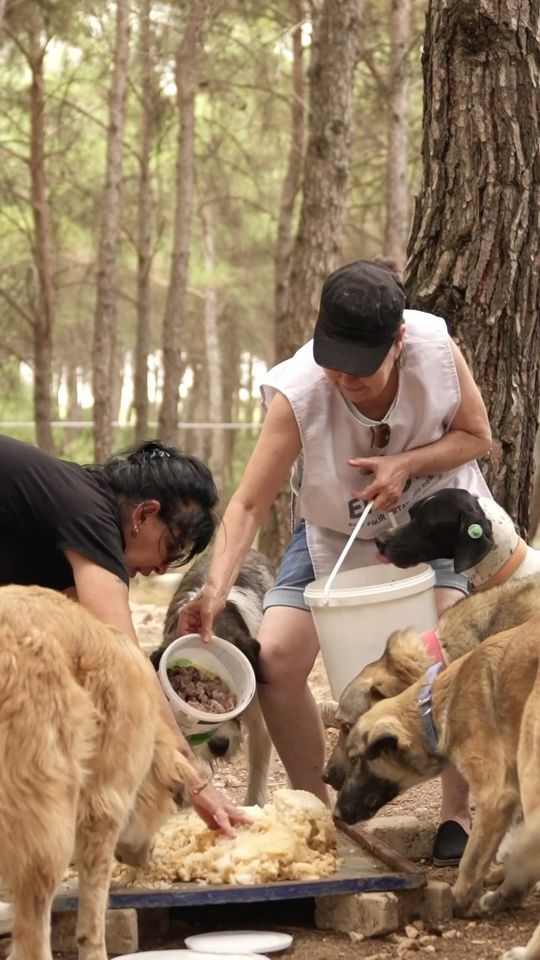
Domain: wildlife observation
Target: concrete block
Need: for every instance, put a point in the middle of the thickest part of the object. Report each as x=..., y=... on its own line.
x=408, y=836
x=371, y=914
x=121, y=932
x=432, y=903
x=438, y=902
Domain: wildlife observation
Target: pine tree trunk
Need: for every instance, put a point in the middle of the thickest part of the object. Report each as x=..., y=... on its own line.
x=105, y=321
x=144, y=227
x=335, y=48
x=397, y=187
x=473, y=255
x=44, y=308
x=187, y=60
x=214, y=361
x=326, y=168
x=289, y=191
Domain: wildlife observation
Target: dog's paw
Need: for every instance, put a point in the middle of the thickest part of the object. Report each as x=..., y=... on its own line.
x=490, y=902
x=516, y=953
x=461, y=908
x=463, y=901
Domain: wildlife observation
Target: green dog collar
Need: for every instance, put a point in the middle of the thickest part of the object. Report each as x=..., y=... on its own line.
x=475, y=531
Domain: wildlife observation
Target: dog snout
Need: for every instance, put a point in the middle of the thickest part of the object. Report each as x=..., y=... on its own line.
x=361, y=796
x=133, y=856
x=219, y=746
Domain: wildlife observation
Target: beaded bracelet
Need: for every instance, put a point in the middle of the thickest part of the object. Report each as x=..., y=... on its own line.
x=200, y=788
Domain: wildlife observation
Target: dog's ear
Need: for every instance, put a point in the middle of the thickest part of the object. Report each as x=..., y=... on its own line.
x=155, y=657
x=386, y=687
x=416, y=507
x=386, y=743
x=387, y=736
x=474, y=539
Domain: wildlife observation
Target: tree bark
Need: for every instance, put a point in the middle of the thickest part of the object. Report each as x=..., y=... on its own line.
x=326, y=168
x=144, y=226
x=397, y=157
x=473, y=255
x=187, y=60
x=105, y=321
x=214, y=361
x=289, y=190
x=44, y=307
x=334, y=55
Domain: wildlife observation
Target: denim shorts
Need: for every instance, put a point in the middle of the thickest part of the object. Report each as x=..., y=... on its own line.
x=296, y=571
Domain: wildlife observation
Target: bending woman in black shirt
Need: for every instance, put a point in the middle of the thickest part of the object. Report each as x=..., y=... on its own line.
x=87, y=530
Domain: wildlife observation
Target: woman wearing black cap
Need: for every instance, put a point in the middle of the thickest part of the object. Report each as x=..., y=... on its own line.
x=87, y=530
x=381, y=390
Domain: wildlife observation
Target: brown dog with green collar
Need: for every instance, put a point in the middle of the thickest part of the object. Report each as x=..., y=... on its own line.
x=482, y=715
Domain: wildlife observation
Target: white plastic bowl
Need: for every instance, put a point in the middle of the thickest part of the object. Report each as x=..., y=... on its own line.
x=220, y=657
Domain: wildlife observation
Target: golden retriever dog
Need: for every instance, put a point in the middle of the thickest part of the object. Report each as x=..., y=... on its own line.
x=89, y=765
x=408, y=655
x=481, y=714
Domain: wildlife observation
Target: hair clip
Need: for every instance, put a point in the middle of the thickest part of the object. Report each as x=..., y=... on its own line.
x=157, y=452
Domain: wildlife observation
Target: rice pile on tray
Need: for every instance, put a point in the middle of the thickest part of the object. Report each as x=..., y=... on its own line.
x=292, y=838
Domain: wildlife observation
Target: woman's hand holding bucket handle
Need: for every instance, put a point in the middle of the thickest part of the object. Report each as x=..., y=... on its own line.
x=198, y=615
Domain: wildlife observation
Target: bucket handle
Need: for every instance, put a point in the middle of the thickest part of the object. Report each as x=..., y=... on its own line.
x=348, y=546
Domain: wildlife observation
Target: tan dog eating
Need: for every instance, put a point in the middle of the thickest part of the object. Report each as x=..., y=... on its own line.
x=481, y=714
x=88, y=763
x=408, y=655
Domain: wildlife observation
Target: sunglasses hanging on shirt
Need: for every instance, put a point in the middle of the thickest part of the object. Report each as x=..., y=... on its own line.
x=380, y=436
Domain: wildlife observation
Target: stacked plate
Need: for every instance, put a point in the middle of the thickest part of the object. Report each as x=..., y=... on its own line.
x=226, y=945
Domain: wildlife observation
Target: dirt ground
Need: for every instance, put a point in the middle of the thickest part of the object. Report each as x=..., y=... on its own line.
x=477, y=939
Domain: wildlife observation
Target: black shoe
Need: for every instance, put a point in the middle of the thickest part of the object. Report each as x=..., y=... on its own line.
x=450, y=842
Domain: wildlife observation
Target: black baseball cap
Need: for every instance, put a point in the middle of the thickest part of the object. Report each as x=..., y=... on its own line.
x=360, y=313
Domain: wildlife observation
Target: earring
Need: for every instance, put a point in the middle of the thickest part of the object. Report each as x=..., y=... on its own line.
x=135, y=530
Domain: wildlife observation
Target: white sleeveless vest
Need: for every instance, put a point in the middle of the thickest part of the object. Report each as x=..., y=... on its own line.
x=427, y=401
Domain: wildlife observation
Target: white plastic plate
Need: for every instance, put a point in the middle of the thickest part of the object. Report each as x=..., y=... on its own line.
x=239, y=941
x=188, y=955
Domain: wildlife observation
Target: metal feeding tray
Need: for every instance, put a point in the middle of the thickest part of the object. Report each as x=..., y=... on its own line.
x=368, y=866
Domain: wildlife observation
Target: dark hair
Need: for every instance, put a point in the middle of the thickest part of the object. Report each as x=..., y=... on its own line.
x=183, y=485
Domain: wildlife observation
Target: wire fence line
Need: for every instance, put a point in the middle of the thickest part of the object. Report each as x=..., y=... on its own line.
x=184, y=425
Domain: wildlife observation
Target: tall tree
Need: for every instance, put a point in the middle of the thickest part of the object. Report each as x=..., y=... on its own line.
x=31, y=33
x=473, y=255
x=331, y=84
x=144, y=223
x=214, y=362
x=334, y=56
x=105, y=321
x=44, y=308
x=187, y=62
x=397, y=157
x=290, y=185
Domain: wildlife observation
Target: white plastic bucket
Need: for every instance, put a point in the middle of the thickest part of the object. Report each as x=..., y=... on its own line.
x=356, y=616
x=219, y=657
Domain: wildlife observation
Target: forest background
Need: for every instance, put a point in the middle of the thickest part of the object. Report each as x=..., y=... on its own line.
x=177, y=178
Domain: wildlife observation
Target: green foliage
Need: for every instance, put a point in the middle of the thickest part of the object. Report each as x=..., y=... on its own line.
x=242, y=142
